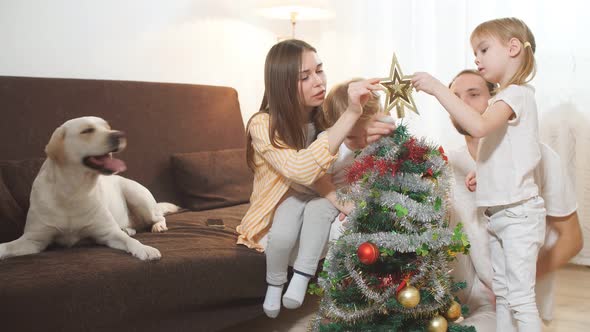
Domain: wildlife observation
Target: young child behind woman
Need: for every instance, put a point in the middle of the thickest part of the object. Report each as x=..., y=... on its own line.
x=335, y=105
x=508, y=153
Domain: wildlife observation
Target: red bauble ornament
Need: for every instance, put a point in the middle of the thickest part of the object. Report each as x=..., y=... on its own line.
x=368, y=253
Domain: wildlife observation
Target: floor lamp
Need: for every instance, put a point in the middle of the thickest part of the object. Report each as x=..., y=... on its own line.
x=295, y=14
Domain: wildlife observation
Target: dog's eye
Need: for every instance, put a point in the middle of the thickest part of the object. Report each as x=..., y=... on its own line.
x=87, y=131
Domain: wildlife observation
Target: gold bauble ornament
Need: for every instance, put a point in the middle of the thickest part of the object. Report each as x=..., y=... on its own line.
x=437, y=324
x=408, y=297
x=454, y=311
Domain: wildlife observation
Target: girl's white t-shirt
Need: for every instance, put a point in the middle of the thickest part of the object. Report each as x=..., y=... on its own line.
x=507, y=157
x=559, y=194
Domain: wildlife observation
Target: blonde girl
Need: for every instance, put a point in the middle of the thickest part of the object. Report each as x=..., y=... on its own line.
x=507, y=155
x=335, y=105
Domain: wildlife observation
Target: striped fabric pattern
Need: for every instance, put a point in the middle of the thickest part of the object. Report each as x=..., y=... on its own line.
x=275, y=170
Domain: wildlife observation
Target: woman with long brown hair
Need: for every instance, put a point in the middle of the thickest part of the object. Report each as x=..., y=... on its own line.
x=287, y=156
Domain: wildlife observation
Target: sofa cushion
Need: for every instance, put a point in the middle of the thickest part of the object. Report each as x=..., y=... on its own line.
x=19, y=176
x=12, y=218
x=212, y=179
x=92, y=287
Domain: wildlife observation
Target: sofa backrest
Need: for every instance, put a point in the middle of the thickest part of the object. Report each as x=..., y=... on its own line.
x=159, y=119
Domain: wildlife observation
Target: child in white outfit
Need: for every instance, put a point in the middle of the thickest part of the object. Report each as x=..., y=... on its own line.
x=508, y=153
x=335, y=178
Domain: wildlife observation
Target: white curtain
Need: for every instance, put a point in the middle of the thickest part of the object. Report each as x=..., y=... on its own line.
x=433, y=36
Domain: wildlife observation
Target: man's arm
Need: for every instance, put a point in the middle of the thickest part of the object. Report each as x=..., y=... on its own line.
x=568, y=244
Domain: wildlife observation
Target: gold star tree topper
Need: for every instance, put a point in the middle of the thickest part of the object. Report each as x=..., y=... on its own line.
x=398, y=90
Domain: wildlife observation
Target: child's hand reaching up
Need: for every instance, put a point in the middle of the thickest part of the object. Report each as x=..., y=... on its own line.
x=426, y=82
x=470, y=181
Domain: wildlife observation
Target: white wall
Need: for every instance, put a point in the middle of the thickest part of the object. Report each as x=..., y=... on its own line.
x=217, y=42
x=224, y=42
x=202, y=42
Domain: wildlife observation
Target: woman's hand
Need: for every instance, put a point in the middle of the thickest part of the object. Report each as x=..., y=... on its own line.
x=379, y=126
x=426, y=82
x=360, y=92
x=372, y=132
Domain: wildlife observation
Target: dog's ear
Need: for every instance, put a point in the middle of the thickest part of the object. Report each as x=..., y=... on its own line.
x=55, y=148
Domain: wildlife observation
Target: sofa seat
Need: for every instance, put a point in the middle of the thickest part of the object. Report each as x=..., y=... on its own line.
x=90, y=287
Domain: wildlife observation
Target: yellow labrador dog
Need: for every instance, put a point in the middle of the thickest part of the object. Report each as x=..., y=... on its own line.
x=76, y=195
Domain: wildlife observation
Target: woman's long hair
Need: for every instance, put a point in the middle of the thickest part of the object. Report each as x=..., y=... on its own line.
x=282, y=101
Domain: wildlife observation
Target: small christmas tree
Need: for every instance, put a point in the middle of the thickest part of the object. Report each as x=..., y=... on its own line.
x=389, y=271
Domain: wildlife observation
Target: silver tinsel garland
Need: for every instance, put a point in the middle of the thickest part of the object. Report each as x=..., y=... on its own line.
x=433, y=238
x=425, y=226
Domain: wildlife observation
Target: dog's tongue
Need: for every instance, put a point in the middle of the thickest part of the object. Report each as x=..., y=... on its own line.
x=112, y=164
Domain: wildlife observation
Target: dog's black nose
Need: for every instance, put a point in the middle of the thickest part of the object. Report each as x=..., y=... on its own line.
x=115, y=138
x=118, y=134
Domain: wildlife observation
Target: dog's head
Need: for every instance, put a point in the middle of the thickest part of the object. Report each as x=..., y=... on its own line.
x=88, y=142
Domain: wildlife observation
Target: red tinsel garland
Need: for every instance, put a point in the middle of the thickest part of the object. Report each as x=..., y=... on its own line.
x=356, y=171
x=442, y=154
x=414, y=152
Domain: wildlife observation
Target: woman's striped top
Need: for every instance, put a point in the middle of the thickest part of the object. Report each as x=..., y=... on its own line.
x=275, y=170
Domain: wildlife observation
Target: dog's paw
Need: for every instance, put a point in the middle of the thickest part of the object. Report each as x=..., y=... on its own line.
x=159, y=227
x=129, y=231
x=147, y=253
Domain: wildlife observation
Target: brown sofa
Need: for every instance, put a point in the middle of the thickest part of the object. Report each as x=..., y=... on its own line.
x=204, y=281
